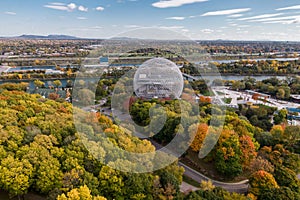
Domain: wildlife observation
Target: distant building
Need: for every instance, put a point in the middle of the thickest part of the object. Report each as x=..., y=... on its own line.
x=158, y=78
x=51, y=71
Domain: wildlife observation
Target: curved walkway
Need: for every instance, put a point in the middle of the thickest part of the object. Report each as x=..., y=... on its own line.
x=239, y=187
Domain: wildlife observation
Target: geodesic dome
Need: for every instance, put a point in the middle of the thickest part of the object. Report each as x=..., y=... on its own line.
x=158, y=78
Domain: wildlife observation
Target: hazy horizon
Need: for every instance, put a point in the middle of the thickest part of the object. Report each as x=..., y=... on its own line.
x=248, y=20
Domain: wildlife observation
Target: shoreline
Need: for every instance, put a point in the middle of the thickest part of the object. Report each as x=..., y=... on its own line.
x=197, y=75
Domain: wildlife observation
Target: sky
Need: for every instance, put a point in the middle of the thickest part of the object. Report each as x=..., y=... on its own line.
x=192, y=19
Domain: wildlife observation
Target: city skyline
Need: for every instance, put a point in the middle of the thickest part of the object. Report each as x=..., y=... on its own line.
x=194, y=19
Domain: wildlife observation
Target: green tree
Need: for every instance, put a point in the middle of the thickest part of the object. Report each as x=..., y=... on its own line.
x=282, y=193
x=286, y=177
x=280, y=93
x=291, y=135
x=281, y=116
x=85, y=97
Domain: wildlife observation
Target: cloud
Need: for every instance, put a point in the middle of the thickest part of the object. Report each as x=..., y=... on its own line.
x=93, y=28
x=276, y=19
x=174, y=3
x=261, y=16
x=60, y=6
x=99, y=8
x=96, y=27
x=185, y=30
x=226, y=12
x=176, y=18
x=208, y=31
x=160, y=27
x=243, y=26
x=170, y=27
x=57, y=4
x=236, y=15
x=82, y=9
x=10, y=13
x=132, y=26
x=296, y=7
x=72, y=6
x=295, y=21
x=81, y=18
x=57, y=7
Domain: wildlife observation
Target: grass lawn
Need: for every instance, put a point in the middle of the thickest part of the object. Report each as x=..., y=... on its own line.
x=220, y=93
x=208, y=169
x=227, y=100
x=190, y=181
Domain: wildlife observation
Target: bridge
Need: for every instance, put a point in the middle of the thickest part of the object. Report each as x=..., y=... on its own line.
x=189, y=77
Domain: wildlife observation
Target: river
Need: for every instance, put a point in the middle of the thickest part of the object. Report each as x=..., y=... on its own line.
x=241, y=77
x=258, y=59
x=49, y=82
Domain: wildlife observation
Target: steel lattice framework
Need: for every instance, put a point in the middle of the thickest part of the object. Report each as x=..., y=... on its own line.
x=158, y=78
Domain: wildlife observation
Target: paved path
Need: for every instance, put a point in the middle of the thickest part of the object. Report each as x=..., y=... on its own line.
x=239, y=187
x=186, y=188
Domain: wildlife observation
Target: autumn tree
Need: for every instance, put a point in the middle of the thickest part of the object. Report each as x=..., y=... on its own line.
x=286, y=177
x=49, y=175
x=81, y=193
x=15, y=175
x=228, y=154
x=39, y=83
x=206, y=185
x=57, y=83
x=261, y=164
x=280, y=194
x=248, y=150
x=262, y=181
x=111, y=182
x=199, y=131
x=291, y=135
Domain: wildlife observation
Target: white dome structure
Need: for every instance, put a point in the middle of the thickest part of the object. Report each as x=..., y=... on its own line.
x=158, y=78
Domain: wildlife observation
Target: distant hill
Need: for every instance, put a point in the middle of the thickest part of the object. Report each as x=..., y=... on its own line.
x=48, y=37
x=124, y=38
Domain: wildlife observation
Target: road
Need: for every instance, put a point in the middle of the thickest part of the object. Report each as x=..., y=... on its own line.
x=239, y=187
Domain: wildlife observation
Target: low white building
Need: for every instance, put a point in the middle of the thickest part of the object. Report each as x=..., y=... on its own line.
x=51, y=71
